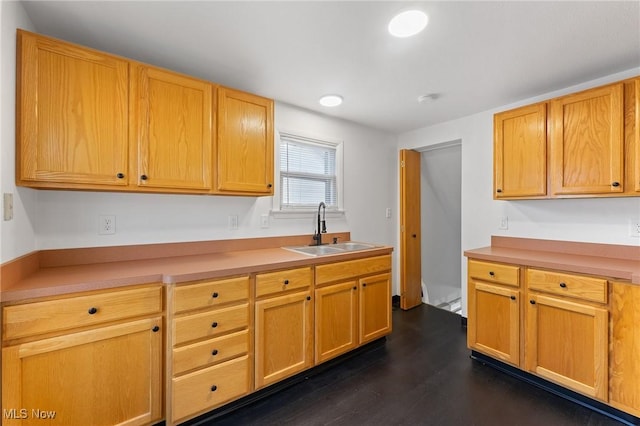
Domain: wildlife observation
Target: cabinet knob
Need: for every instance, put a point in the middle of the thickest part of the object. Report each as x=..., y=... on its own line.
x=144, y=177
x=214, y=324
x=269, y=185
x=498, y=190
x=214, y=352
x=563, y=285
x=120, y=175
x=355, y=288
x=286, y=282
x=616, y=184
x=414, y=235
x=533, y=302
x=215, y=295
x=308, y=297
x=513, y=298
x=493, y=274
x=214, y=388
x=364, y=284
x=92, y=311
x=155, y=329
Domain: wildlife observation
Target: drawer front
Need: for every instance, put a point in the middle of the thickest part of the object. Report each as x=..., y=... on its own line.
x=277, y=282
x=205, y=389
x=31, y=319
x=210, y=324
x=210, y=352
x=210, y=294
x=570, y=285
x=494, y=272
x=352, y=268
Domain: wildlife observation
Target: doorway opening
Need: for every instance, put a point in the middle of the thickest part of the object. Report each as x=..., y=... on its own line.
x=441, y=224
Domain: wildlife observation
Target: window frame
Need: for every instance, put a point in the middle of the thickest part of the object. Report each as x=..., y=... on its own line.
x=277, y=210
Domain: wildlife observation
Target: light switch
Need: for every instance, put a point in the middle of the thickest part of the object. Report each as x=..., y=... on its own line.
x=7, y=205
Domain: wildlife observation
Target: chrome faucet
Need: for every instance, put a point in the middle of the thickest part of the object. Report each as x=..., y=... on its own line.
x=321, y=226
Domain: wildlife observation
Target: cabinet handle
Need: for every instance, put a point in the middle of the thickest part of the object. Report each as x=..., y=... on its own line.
x=414, y=236
x=144, y=177
x=215, y=295
x=286, y=282
x=533, y=302
x=214, y=324
x=214, y=352
x=308, y=297
x=120, y=175
x=92, y=311
x=513, y=298
x=355, y=288
x=214, y=388
x=563, y=285
x=155, y=329
x=498, y=190
x=616, y=184
x=493, y=274
x=269, y=185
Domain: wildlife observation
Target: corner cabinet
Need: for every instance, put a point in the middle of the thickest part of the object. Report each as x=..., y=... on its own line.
x=244, y=144
x=88, y=359
x=72, y=115
x=171, y=130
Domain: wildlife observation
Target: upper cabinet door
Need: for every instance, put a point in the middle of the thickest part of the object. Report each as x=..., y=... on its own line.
x=171, y=130
x=520, y=152
x=587, y=142
x=244, y=143
x=72, y=111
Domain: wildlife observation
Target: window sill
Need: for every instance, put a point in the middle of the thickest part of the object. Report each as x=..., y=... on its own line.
x=304, y=213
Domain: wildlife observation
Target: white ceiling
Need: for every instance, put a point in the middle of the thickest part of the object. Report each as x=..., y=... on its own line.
x=474, y=55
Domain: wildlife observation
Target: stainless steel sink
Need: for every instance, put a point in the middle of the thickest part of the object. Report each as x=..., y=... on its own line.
x=330, y=248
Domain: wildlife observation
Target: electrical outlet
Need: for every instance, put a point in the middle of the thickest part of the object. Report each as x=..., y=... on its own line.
x=264, y=221
x=107, y=225
x=233, y=222
x=387, y=213
x=634, y=228
x=504, y=223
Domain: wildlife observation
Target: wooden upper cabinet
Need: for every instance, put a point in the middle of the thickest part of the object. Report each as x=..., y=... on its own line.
x=171, y=136
x=244, y=143
x=587, y=142
x=520, y=152
x=632, y=132
x=72, y=115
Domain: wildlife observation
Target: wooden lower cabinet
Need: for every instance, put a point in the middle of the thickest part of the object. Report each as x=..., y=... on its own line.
x=104, y=376
x=374, y=307
x=336, y=326
x=283, y=336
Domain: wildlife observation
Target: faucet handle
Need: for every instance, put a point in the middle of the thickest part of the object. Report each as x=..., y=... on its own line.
x=335, y=240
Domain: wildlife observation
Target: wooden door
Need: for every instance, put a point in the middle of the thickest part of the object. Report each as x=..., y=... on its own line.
x=110, y=375
x=171, y=130
x=72, y=111
x=336, y=325
x=410, y=236
x=494, y=321
x=587, y=142
x=244, y=143
x=283, y=337
x=567, y=343
x=520, y=152
x=374, y=307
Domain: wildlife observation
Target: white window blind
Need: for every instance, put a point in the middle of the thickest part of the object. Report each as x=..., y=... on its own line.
x=308, y=173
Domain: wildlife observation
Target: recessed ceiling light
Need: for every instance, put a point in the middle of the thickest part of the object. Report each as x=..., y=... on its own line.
x=408, y=23
x=331, y=100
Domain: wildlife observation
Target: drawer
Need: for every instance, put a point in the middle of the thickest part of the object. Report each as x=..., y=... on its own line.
x=352, y=268
x=577, y=286
x=31, y=319
x=277, y=282
x=209, y=352
x=210, y=324
x=205, y=389
x=208, y=294
x=494, y=272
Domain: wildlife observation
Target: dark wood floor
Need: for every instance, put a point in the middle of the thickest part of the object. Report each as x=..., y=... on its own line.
x=422, y=375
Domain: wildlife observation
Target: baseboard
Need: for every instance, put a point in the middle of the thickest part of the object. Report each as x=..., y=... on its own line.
x=558, y=390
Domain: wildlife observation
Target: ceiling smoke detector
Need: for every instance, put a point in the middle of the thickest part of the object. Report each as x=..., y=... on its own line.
x=429, y=97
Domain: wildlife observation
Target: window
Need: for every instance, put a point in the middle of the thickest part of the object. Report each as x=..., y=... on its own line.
x=309, y=173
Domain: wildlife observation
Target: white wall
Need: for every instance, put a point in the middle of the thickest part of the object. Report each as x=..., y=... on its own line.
x=586, y=220
x=17, y=236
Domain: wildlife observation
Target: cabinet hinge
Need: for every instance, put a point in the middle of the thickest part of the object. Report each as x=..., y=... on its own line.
x=402, y=164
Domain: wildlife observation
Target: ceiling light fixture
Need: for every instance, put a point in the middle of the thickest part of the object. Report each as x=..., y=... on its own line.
x=331, y=100
x=429, y=97
x=408, y=23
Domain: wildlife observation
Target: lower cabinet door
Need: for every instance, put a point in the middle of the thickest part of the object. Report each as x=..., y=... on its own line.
x=336, y=329
x=210, y=387
x=567, y=344
x=493, y=325
x=106, y=376
x=283, y=336
x=374, y=307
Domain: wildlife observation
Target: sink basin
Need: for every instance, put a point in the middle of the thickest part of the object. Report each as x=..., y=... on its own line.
x=330, y=248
